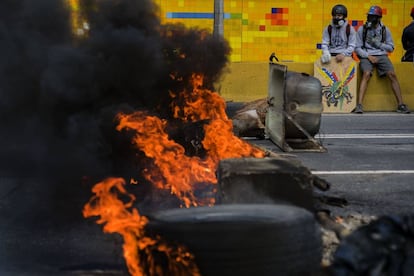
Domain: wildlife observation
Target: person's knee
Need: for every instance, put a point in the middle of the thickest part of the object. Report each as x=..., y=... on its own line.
x=366, y=75
x=392, y=75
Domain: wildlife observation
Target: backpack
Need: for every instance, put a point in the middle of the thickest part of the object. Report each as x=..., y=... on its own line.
x=348, y=31
x=364, y=35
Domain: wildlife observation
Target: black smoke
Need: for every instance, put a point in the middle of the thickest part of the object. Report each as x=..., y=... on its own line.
x=59, y=93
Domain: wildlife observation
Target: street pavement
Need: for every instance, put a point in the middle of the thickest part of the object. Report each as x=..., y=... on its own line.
x=369, y=161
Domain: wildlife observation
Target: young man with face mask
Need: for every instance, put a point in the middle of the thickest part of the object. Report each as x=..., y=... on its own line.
x=374, y=43
x=407, y=40
x=338, y=38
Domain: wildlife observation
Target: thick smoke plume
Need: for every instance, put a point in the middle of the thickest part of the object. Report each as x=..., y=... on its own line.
x=59, y=93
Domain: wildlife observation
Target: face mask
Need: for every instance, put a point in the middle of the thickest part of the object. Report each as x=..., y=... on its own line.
x=371, y=21
x=338, y=22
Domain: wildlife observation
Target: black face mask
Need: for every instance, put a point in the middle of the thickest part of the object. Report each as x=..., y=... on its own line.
x=338, y=22
x=372, y=21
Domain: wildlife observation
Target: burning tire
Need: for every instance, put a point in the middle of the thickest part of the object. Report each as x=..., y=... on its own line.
x=245, y=239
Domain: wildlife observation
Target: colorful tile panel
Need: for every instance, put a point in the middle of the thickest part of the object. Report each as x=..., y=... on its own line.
x=291, y=29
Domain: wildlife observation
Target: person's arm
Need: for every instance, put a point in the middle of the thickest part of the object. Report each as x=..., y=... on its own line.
x=326, y=55
x=377, y=46
x=325, y=40
x=351, y=42
x=388, y=44
x=404, y=39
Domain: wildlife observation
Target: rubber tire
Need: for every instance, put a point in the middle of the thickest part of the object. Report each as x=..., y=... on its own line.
x=245, y=239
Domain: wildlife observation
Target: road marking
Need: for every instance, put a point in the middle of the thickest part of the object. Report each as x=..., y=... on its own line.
x=364, y=136
x=364, y=172
x=368, y=114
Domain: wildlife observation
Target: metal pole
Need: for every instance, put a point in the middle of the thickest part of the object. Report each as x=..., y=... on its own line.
x=218, y=18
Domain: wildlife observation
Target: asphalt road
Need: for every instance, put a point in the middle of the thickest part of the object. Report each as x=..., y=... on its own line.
x=369, y=161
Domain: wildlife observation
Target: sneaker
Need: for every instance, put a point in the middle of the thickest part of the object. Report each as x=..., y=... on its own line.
x=358, y=109
x=402, y=108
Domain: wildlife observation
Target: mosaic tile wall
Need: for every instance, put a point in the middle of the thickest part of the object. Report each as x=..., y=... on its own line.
x=291, y=29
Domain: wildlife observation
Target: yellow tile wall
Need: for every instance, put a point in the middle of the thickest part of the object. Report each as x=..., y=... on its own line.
x=295, y=30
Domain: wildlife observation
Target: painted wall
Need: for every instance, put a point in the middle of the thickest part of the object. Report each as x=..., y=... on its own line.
x=291, y=29
x=248, y=81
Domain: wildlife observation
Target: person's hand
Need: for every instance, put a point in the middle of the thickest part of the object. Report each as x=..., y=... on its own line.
x=340, y=57
x=326, y=57
x=374, y=41
x=373, y=59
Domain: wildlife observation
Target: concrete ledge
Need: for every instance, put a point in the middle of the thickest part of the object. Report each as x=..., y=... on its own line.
x=248, y=81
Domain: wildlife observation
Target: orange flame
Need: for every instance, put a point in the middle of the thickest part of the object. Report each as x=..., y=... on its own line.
x=172, y=169
x=219, y=141
x=116, y=217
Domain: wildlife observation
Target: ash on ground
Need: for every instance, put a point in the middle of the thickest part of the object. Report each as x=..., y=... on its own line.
x=346, y=224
